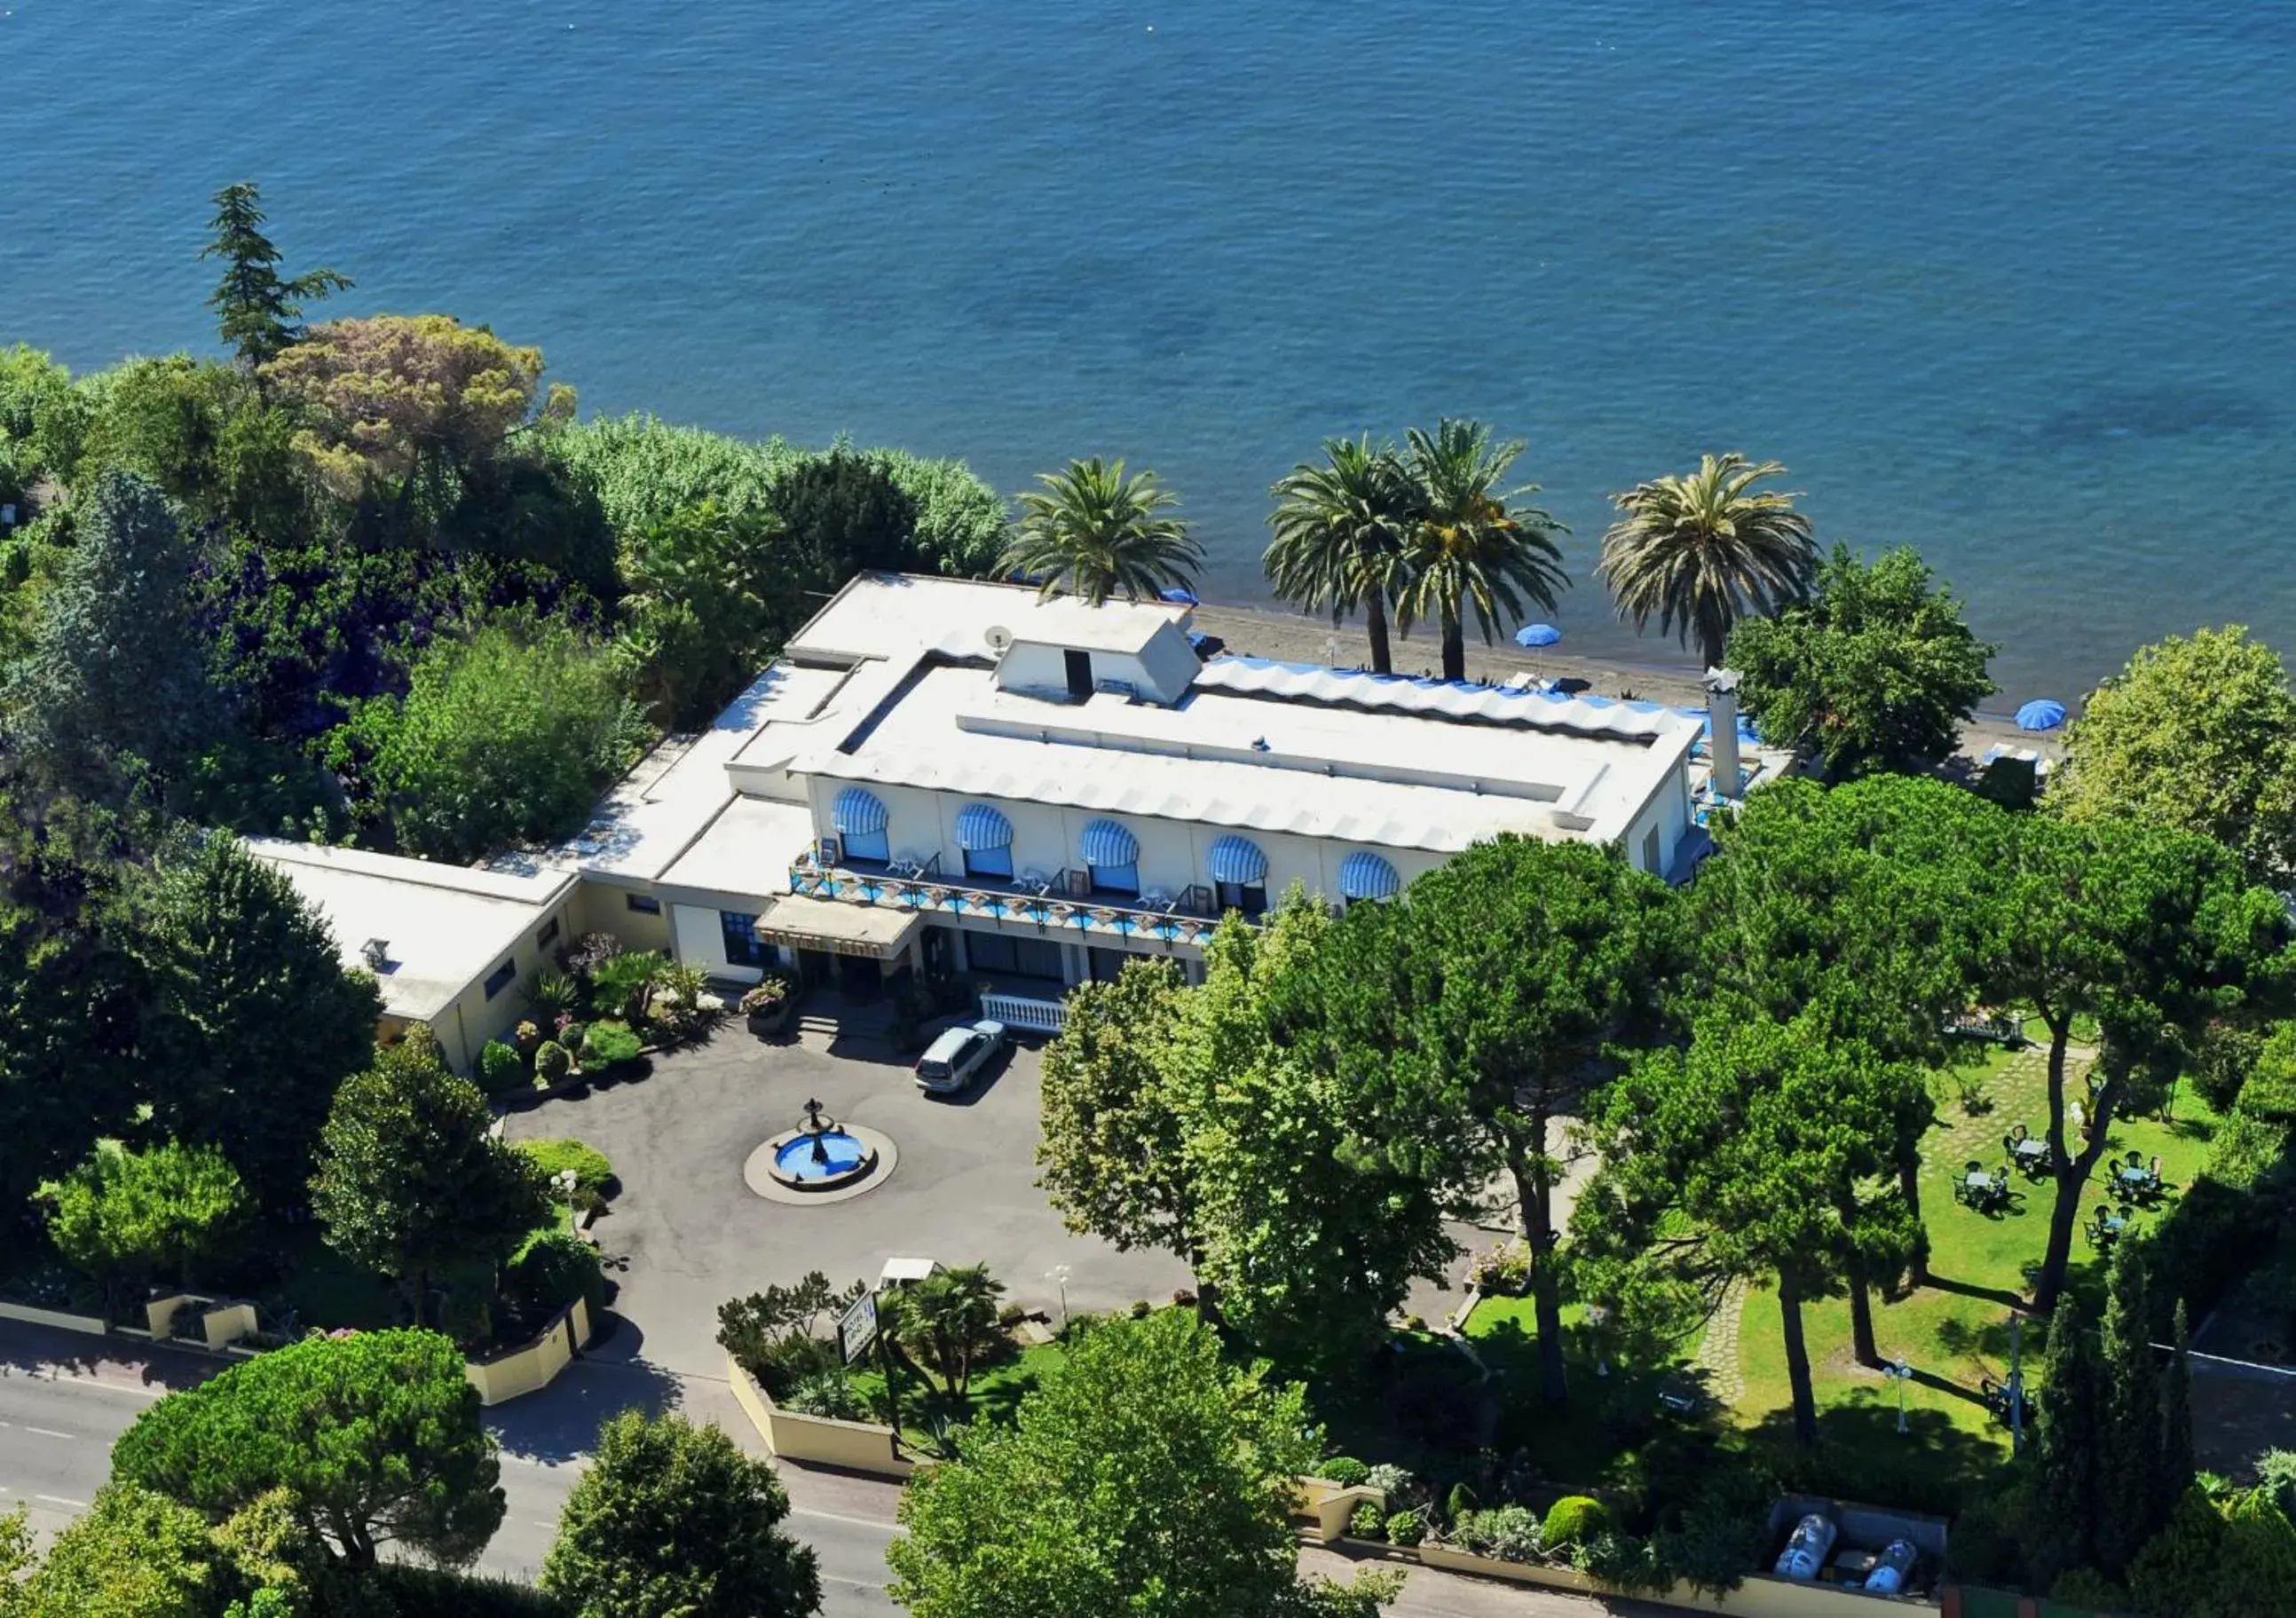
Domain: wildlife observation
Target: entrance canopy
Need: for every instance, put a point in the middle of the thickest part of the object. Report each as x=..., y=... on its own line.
x=876, y=932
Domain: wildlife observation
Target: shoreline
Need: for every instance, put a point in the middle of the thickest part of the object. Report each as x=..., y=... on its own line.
x=1286, y=635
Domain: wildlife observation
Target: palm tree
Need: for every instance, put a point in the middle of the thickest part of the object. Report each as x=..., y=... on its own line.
x=949, y=1320
x=1704, y=550
x=1093, y=531
x=1340, y=534
x=1466, y=548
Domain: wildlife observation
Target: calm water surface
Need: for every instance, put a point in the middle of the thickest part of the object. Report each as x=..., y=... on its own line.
x=2009, y=281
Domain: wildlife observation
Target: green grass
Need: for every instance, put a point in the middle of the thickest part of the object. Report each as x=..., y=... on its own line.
x=994, y=1394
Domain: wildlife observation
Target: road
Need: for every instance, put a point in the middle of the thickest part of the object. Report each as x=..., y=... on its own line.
x=64, y=1398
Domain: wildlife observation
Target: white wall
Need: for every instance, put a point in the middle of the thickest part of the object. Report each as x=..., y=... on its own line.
x=1161, y=675
x=700, y=935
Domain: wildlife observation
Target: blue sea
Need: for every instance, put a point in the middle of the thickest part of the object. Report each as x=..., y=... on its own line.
x=2008, y=281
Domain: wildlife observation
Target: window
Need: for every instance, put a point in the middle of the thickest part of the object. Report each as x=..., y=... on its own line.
x=643, y=904
x=1123, y=879
x=500, y=977
x=868, y=848
x=744, y=946
x=547, y=936
x=1650, y=852
x=1251, y=898
x=1020, y=957
x=989, y=862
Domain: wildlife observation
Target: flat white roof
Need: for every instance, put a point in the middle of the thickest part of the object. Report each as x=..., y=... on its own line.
x=446, y=926
x=904, y=616
x=746, y=851
x=1355, y=773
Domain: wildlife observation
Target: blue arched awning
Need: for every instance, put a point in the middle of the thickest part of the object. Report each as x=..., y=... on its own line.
x=1368, y=876
x=979, y=826
x=858, y=813
x=1106, y=843
x=1237, y=860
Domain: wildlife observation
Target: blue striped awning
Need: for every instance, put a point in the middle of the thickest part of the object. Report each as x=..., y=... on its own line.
x=1106, y=843
x=1368, y=876
x=858, y=812
x=978, y=826
x=1237, y=860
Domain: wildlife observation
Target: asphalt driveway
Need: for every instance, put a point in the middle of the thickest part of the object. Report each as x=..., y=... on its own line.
x=686, y=1233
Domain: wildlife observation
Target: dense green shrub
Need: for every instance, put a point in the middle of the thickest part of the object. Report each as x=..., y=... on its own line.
x=1346, y=1471
x=1460, y=1504
x=1509, y=1532
x=1389, y=1479
x=2226, y=1217
x=412, y=1590
x=1407, y=1527
x=592, y=1171
x=501, y=1069
x=829, y=1392
x=2221, y=1065
x=551, y=1062
x=608, y=1043
x=1502, y=1272
x=2085, y=1588
x=549, y=1272
x=1365, y=1523
x=618, y=987
x=1573, y=1520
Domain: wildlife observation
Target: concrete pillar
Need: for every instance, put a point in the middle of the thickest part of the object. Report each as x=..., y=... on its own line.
x=1722, y=703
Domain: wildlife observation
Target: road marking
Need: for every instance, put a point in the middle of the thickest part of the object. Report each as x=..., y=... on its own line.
x=830, y=1516
x=57, y=1499
x=51, y=1433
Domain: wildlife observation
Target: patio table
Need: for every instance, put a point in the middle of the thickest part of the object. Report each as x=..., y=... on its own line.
x=2032, y=1149
x=2136, y=1179
x=1978, y=1181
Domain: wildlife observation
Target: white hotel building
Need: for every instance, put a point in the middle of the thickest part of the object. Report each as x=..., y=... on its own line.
x=944, y=776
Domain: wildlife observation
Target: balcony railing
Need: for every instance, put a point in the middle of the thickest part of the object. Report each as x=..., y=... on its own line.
x=1058, y=900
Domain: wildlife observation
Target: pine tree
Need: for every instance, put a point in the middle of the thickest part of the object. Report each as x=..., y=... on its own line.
x=256, y=308
x=2177, y=1461
x=2129, y=1451
x=2066, y=1446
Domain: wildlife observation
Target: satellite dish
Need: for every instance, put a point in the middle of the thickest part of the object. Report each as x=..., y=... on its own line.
x=998, y=636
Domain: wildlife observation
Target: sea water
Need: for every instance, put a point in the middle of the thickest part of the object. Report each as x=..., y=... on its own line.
x=2007, y=281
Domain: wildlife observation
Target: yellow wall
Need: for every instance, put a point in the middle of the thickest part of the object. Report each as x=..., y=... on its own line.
x=603, y=907
x=232, y=1323
x=523, y=1370
x=1760, y=1597
x=57, y=1318
x=858, y=1446
x=1333, y=1505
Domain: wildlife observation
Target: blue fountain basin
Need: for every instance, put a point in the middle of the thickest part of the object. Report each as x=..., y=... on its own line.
x=840, y=1156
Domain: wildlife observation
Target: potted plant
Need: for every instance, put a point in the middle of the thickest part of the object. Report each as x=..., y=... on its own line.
x=769, y=1006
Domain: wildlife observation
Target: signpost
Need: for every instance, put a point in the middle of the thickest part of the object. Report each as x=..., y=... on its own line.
x=856, y=1331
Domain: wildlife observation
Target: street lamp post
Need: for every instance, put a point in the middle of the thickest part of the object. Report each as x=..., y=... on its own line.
x=1900, y=1373
x=1058, y=1274
x=566, y=1179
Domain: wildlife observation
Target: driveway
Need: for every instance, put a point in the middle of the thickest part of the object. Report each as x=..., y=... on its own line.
x=685, y=1233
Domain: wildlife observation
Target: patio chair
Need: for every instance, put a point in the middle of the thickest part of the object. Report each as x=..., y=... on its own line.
x=2098, y=1236
x=2018, y=1135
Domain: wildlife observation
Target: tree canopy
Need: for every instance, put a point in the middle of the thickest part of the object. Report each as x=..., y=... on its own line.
x=257, y=309
x=1877, y=670
x=2196, y=732
x=133, y=1215
x=375, y=1439
x=1705, y=549
x=1093, y=532
x=1144, y=1475
x=1475, y=547
x=1340, y=535
x=410, y=1180
x=672, y=1521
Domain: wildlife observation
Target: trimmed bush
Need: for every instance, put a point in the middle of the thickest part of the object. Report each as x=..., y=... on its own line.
x=1389, y=1479
x=550, y=1272
x=609, y=1044
x=1365, y=1523
x=1346, y=1471
x=829, y=1392
x=551, y=1062
x=1502, y=1272
x=501, y=1069
x=411, y=1590
x=1460, y=1504
x=1406, y=1528
x=1509, y=1533
x=1573, y=1520
x=591, y=1169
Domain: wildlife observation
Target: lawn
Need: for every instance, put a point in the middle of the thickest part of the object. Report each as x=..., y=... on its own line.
x=994, y=1394
x=1954, y=1332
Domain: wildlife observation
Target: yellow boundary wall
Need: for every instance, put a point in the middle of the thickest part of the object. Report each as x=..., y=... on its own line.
x=856, y=1446
x=522, y=1370
x=1760, y=1597
x=61, y=1319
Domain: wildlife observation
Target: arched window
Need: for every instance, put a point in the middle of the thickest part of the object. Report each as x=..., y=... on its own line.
x=1368, y=876
x=986, y=837
x=1111, y=854
x=861, y=821
x=1239, y=874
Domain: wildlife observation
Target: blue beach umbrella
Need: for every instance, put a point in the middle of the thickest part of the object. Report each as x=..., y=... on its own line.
x=2042, y=713
x=1538, y=635
x=1181, y=595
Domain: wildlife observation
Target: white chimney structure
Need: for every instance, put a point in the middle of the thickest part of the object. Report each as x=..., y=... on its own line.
x=1722, y=705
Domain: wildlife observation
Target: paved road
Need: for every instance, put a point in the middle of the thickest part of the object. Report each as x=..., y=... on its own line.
x=64, y=1398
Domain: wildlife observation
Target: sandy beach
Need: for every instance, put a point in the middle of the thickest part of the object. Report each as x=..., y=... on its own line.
x=1294, y=638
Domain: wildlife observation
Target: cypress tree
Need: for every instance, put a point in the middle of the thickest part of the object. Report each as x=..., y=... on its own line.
x=256, y=307
x=2177, y=1461
x=2130, y=1463
x=2066, y=1447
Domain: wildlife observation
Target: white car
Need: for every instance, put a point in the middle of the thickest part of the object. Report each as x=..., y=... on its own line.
x=957, y=1057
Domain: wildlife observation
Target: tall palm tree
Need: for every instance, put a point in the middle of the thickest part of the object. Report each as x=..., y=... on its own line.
x=1466, y=548
x=1340, y=533
x=1704, y=550
x=1093, y=532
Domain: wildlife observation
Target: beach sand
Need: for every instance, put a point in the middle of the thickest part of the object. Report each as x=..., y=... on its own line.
x=1294, y=638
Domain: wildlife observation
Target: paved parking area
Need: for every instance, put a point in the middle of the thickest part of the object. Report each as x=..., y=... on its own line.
x=685, y=1233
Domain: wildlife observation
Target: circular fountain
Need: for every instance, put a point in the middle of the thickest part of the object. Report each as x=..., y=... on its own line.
x=819, y=1160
